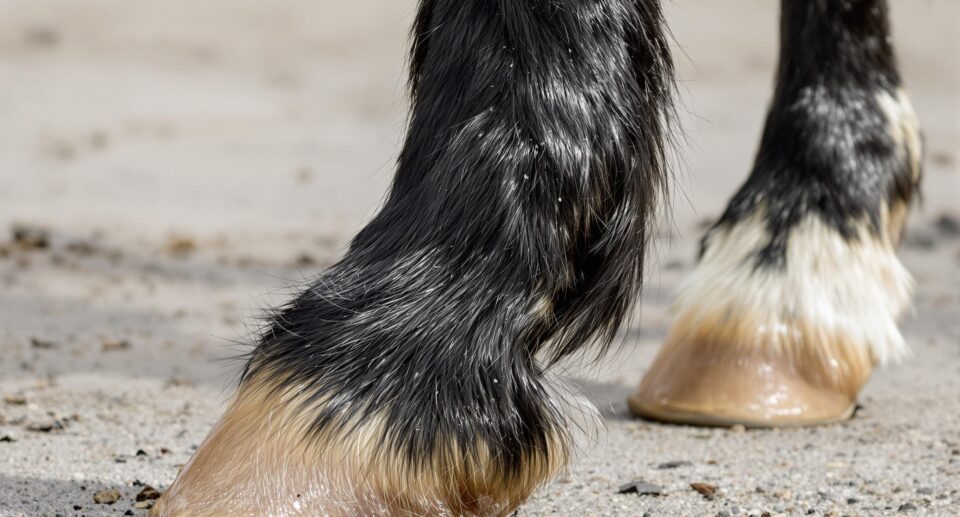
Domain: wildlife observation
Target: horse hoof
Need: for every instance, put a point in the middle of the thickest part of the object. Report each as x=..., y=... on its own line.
x=767, y=345
x=264, y=458
x=714, y=384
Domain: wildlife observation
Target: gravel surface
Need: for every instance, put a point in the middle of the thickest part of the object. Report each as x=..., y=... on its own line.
x=168, y=169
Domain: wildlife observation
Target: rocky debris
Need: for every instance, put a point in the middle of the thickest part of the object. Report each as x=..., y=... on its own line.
x=47, y=425
x=907, y=507
x=41, y=37
x=113, y=345
x=143, y=505
x=181, y=246
x=148, y=494
x=920, y=238
x=674, y=465
x=83, y=248
x=42, y=344
x=7, y=438
x=948, y=225
x=705, y=489
x=30, y=237
x=106, y=496
x=15, y=400
x=304, y=260
x=640, y=488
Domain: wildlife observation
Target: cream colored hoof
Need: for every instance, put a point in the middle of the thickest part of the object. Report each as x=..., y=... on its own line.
x=723, y=385
x=262, y=459
x=778, y=346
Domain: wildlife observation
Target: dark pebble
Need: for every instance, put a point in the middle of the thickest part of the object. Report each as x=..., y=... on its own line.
x=907, y=507
x=948, y=225
x=674, y=464
x=640, y=488
x=29, y=237
x=706, y=489
x=921, y=239
x=148, y=493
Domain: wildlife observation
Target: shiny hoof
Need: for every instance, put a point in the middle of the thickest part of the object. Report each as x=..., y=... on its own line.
x=699, y=382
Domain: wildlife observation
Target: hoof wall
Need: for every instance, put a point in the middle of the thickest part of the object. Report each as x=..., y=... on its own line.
x=716, y=385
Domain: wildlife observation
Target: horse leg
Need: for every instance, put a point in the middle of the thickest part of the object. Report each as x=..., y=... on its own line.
x=798, y=290
x=409, y=378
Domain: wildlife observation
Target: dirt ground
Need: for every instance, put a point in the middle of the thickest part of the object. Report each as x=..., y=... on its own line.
x=168, y=169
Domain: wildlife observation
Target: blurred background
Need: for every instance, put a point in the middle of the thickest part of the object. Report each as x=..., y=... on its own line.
x=169, y=168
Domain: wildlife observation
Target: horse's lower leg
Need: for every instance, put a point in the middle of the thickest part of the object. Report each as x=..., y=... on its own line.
x=797, y=293
x=408, y=378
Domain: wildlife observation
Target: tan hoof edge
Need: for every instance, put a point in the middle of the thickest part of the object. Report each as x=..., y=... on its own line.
x=724, y=383
x=261, y=459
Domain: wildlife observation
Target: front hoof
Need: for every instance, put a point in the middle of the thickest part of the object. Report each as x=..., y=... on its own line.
x=266, y=457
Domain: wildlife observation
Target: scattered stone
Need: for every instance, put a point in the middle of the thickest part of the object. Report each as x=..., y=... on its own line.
x=925, y=491
x=640, y=488
x=7, y=438
x=140, y=452
x=304, y=260
x=81, y=248
x=706, y=489
x=148, y=494
x=98, y=140
x=15, y=400
x=948, y=225
x=674, y=464
x=41, y=37
x=852, y=500
x=42, y=344
x=45, y=426
x=106, y=496
x=31, y=237
x=143, y=505
x=181, y=246
x=115, y=344
x=129, y=512
x=907, y=507
x=921, y=238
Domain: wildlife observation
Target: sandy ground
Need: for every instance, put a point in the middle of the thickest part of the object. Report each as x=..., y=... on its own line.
x=171, y=168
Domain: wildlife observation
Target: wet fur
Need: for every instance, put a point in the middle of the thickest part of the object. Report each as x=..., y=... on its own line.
x=513, y=235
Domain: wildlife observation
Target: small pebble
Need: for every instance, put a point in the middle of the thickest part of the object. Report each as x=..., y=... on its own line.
x=15, y=400
x=674, y=464
x=31, y=237
x=115, y=344
x=45, y=426
x=640, y=488
x=948, y=225
x=907, y=507
x=148, y=493
x=106, y=496
x=706, y=489
x=42, y=344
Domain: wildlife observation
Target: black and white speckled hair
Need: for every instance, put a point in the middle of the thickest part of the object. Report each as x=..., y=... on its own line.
x=798, y=290
x=409, y=376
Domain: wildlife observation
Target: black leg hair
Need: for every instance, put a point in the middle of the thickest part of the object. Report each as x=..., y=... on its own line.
x=513, y=236
x=798, y=289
